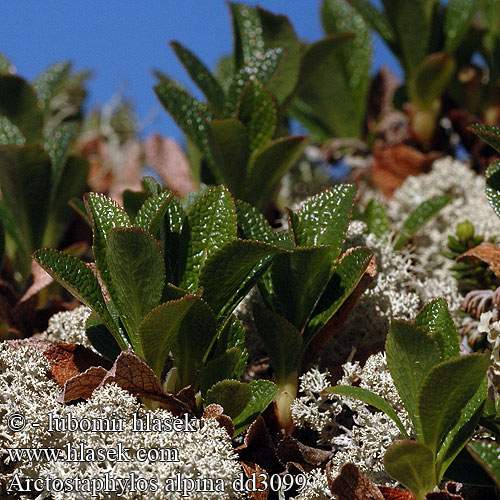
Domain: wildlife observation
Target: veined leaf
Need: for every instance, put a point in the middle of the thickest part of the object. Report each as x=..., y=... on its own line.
x=57, y=146
x=151, y=214
x=160, y=329
x=202, y=77
x=458, y=17
x=445, y=391
x=371, y=399
x=375, y=19
x=412, y=464
x=282, y=341
x=137, y=273
x=10, y=134
x=487, y=453
x=232, y=395
x=423, y=213
x=489, y=134
x=209, y=224
x=220, y=368
x=376, y=218
x=493, y=186
x=48, y=82
x=436, y=320
x=101, y=338
x=411, y=354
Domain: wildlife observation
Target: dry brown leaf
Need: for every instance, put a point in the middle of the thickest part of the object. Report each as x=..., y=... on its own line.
x=217, y=411
x=82, y=386
x=487, y=252
x=395, y=493
x=168, y=159
x=254, y=471
x=41, y=279
x=392, y=165
x=352, y=484
x=290, y=449
x=450, y=492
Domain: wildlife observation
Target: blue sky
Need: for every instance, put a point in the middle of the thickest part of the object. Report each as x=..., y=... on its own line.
x=121, y=42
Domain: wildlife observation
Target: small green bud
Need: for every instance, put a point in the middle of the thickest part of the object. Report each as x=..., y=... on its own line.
x=465, y=230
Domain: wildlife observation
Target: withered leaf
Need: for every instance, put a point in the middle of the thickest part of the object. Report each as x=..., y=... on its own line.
x=254, y=471
x=216, y=411
x=83, y=384
x=41, y=279
x=487, y=252
x=352, y=484
x=395, y=493
x=450, y=492
x=290, y=449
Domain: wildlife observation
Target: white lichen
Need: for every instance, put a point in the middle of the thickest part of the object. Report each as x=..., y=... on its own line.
x=69, y=326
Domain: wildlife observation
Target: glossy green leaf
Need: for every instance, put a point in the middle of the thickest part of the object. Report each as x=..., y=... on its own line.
x=345, y=279
x=411, y=354
x=277, y=31
x=262, y=394
x=150, y=215
x=436, y=320
x=489, y=134
x=445, y=391
x=170, y=236
x=78, y=279
x=232, y=395
x=324, y=218
x=281, y=340
x=209, y=224
x=232, y=335
x=458, y=17
x=220, y=368
x=57, y=146
x=258, y=112
x=151, y=186
x=196, y=337
x=10, y=134
x=299, y=279
x=376, y=218
x=24, y=177
x=376, y=19
x=487, y=453
x=137, y=273
x=229, y=145
x=412, y=464
x=47, y=84
x=432, y=77
x=268, y=166
x=160, y=329
x=370, y=398
x=230, y=273
x=422, y=214
x=493, y=186
x=133, y=201
x=101, y=338
x=19, y=103
x=202, y=77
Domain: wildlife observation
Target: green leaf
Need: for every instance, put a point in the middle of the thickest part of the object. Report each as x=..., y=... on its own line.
x=24, y=177
x=5, y=65
x=160, y=330
x=202, y=77
x=436, y=320
x=151, y=214
x=376, y=218
x=229, y=147
x=47, y=84
x=345, y=279
x=411, y=354
x=232, y=335
x=282, y=341
x=433, y=76
x=78, y=279
x=209, y=224
x=105, y=215
x=230, y=273
x=412, y=464
x=196, y=337
x=252, y=225
x=489, y=134
x=298, y=280
x=263, y=393
x=57, y=146
x=101, y=338
x=19, y=103
x=2, y=242
x=10, y=134
x=257, y=111
x=277, y=32
x=458, y=17
x=324, y=218
x=371, y=399
x=232, y=395
x=137, y=274
x=487, y=453
x=268, y=166
x=375, y=19
x=445, y=391
x=220, y=368
x=422, y=214
x=493, y=186
x=133, y=201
